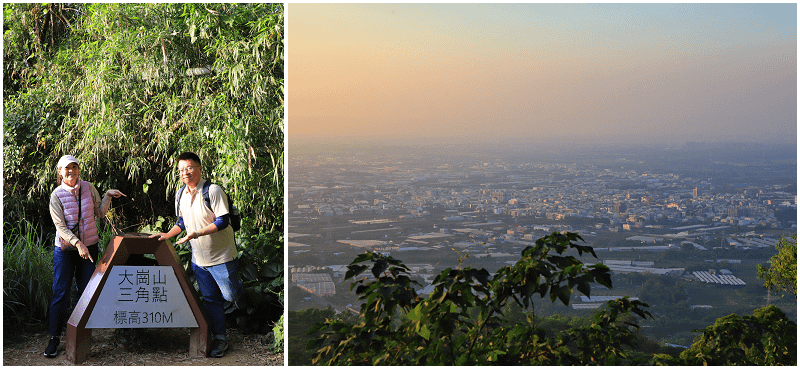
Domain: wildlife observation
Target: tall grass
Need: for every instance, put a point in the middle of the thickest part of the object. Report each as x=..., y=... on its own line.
x=28, y=273
x=27, y=276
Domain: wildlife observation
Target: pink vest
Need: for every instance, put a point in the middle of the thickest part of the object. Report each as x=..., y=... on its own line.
x=70, y=203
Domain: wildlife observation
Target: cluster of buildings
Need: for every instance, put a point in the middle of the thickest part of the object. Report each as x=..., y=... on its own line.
x=493, y=210
x=619, y=201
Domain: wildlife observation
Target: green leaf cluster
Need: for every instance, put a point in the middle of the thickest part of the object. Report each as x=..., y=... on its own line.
x=461, y=322
x=278, y=331
x=768, y=337
x=781, y=275
x=300, y=322
x=261, y=272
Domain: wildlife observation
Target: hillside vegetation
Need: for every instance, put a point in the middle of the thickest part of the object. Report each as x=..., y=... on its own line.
x=125, y=88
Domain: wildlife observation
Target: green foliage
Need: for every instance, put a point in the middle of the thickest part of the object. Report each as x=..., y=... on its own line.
x=781, y=275
x=603, y=342
x=300, y=327
x=136, y=95
x=27, y=276
x=665, y=360
x=663, y=291
x=767, y=337
x=261, y=272
x=277, y=343
x=461, y=322
x=126, y=88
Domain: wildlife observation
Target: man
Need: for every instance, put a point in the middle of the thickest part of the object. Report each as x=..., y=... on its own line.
x=214, y=252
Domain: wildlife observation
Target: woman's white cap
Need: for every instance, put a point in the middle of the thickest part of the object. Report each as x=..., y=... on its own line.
x=65, y=160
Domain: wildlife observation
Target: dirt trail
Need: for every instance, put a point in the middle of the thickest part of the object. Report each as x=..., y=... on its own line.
x=144, y=347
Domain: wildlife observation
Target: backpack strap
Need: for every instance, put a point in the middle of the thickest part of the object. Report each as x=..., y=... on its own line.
x=178, y=201
x=206, y=198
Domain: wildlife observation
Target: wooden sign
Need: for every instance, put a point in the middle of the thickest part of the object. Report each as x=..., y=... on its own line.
x=114, y=269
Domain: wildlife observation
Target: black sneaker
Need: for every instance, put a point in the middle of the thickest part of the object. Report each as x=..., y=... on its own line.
x=218, y=348
x=52, y=347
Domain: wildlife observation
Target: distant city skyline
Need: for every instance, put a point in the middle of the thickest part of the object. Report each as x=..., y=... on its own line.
x=590, y=73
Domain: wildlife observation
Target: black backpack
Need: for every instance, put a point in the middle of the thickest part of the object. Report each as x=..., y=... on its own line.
x=234, y=217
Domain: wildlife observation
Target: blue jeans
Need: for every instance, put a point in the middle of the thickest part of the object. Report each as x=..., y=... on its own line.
x=218, y=283
x=68, y=264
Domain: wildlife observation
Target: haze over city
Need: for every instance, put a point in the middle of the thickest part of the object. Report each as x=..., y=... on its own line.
x=460, y=137
x=597, y=74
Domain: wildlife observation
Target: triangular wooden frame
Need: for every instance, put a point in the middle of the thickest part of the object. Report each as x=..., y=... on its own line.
x=79, y=338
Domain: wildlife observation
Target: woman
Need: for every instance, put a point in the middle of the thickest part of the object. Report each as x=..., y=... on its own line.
x=74, y=206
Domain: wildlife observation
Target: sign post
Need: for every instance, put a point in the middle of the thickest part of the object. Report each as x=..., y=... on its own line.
x=134, y=296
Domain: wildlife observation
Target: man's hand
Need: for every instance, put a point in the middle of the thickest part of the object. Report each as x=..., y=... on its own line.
x=165, y=236
x=188, y=237
x=161, y=236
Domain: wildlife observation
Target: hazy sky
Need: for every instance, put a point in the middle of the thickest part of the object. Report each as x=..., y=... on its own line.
x=600, y=73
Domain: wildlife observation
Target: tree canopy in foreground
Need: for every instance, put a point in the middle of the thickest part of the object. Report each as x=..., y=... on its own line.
x=781, y=275
x=463, y=321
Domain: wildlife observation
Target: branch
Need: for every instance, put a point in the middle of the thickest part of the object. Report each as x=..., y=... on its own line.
x=164, y=53
x=474, y=339
x=452, y=350
x=62, y=18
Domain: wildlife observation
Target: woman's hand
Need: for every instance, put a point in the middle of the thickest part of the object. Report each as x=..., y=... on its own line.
x=84, y=251
x=115, y=193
